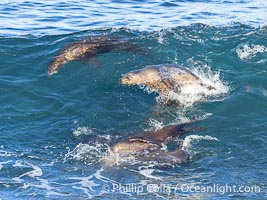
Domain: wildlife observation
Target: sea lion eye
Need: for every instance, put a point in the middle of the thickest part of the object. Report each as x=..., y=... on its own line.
x=129, y=76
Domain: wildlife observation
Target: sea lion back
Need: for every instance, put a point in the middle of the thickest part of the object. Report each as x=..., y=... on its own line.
x=178, y=74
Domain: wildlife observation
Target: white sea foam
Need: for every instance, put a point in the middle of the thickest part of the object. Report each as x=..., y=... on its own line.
x=245, y=52
x=148, y=171
x=33, y=157
x=155, y=124
x=19, y=163
x=82, y=131
x=181, y=117
x=89, y=184
x=89, y=154
x=37, y=171
x=187, y=94
x=263, y=91
x=4, y=153
x=193, y=93
x=86, y=184
x=189, y=140
x=2, y=163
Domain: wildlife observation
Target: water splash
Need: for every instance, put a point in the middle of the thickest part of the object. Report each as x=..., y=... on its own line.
x=2, y=163
x=210, y=87
x=114, y=159
x=82, y=131
x=87, y=153
x=193, y=93
x=155, y=124
x=246, y=52
x=189, y=140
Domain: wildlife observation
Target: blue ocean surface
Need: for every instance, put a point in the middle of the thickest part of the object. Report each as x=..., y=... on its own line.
x=56, y=131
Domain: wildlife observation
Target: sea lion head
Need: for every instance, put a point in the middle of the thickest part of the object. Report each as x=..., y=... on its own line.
x=131, y=78
x=52, y=68
x=131, y=146
x=142, y=76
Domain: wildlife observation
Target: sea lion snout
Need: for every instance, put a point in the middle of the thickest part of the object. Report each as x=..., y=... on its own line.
x=51, y=70
x=123, y=80
x=128, y=79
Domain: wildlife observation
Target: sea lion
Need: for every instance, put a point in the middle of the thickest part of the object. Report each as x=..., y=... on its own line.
x=163, y=78
x=149, y=146
x=87, y=48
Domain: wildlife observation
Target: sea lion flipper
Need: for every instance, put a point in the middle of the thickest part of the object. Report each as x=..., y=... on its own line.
x=171, y=131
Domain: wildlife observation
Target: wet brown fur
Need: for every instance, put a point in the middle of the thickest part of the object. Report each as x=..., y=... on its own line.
x=87, y=48
x=171, y=78
x=151, y=141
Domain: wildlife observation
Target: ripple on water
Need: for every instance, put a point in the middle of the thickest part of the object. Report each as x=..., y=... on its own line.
x=55, y=131
x=44, y=17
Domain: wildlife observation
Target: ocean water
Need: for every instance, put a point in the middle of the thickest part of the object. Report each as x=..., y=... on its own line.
x=55, y=131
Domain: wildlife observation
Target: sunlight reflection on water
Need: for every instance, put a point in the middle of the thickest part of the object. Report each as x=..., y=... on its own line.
x=58, y=17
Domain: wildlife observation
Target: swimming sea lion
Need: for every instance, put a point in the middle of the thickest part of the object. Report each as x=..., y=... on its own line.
x=163, y=78
x=149, y=146
x=87, y=48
